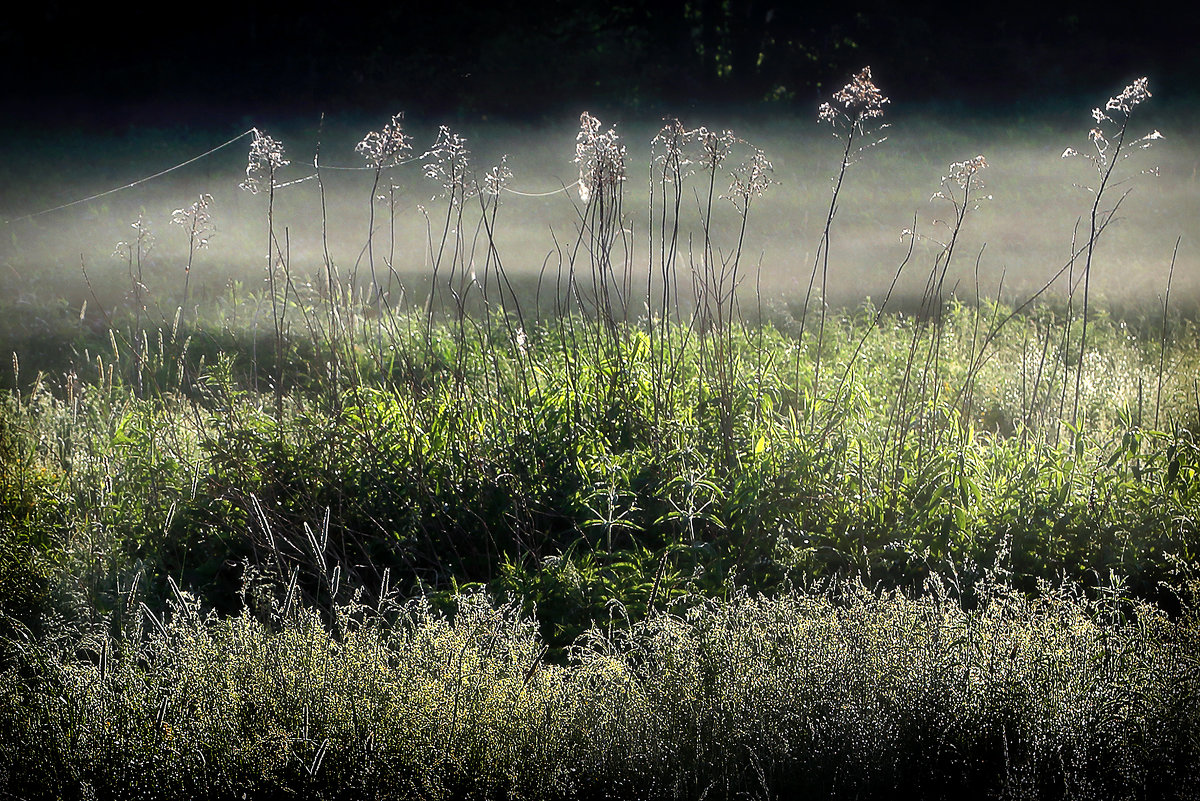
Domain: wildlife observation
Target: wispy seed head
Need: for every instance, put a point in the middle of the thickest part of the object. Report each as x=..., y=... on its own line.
x=750, y=180
x=196, y=220
x=963, y=172
x=141, y=244
x=495, y=179
x=1102, y=153
x=385, y=148
x=600, y=156
x=669, y=149
x=714, y=147
x=856, y=102
x=266, y=155
x=448, y=162
x=1132, y=95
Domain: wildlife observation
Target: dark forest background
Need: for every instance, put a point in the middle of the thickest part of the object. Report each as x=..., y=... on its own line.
x=530, y=59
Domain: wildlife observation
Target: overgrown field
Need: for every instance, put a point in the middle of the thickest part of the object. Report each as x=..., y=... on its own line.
x=635, y=531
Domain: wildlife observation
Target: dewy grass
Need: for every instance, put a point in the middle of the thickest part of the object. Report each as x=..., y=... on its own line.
x=650, y=552
x=843, y=693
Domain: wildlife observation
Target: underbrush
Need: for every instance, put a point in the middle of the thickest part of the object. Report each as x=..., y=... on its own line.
x=555, y=469
x=842, y=692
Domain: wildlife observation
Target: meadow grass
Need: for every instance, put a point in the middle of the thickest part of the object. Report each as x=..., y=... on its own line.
x=632, y=531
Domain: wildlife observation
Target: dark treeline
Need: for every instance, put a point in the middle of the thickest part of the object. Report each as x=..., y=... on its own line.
x=545, y=56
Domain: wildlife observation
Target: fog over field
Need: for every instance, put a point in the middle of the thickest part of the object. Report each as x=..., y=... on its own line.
x=1035, y=199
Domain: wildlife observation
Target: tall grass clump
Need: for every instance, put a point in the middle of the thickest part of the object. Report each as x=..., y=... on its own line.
x=1109, y=149
x=854, y=115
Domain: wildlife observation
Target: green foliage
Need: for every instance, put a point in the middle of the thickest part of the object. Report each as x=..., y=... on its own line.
x=32, y=522
x=474, y=460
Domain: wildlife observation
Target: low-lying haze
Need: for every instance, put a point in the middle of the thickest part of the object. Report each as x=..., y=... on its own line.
x=1025, y=229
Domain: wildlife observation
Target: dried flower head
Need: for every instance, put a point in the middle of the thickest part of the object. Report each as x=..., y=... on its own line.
x=141, y=244
x=383, y=149
x=1109, y=130
x=266, y=155
x=600, y=156
x=963, y=172
x=714, y=147
x=495, y=179
x=854, y=103
x=965, y=176
x=750, y=180
x=669, y=149
x=448, y=162
x=196, y=220
x=1148, y=140
x=1132, y=95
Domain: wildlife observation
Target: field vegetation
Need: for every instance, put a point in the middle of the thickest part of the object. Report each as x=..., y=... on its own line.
x=630, y=529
